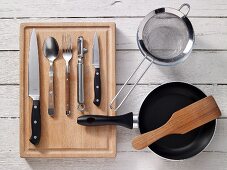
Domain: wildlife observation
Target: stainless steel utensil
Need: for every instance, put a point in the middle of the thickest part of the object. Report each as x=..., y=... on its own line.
x=165, y=37
x=96, y=64
x=33, y=88
x=50, y=50
x=80, y=73
x=67, y=55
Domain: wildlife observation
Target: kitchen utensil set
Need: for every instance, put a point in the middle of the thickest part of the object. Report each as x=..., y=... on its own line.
x=166, y=37
x=176, y=120
x=51, y=52
x=59, y=135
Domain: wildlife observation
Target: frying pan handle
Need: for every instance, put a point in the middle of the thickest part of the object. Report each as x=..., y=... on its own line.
x=134, y=85
x=125, y=120
x=185, y=5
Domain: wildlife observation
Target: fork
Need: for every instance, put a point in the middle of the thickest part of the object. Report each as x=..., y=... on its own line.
x=67, y=55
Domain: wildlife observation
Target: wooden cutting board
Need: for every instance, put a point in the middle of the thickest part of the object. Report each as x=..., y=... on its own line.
x=61, y=136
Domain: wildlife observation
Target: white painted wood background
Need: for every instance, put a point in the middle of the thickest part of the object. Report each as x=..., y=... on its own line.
x=206, y=68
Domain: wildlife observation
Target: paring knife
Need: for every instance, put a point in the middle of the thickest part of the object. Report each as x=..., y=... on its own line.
x=95, y=63
x=33, y=89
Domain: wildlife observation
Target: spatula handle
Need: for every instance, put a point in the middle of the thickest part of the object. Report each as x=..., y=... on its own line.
x=146, y=139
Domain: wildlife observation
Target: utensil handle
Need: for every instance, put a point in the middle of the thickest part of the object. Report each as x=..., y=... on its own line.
x=125, y=120
x=146, y=139
x=134, y=85
x=51, y=91
x=35, y=123
x=80, y=86
x=185, y=5
x=97, y=87
x=67, y=93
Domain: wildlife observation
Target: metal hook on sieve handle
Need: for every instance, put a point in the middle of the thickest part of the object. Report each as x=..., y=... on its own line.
x=126, y=96
x=185, y=5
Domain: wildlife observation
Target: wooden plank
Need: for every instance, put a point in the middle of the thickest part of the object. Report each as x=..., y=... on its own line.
x=124, y=160
x=9, y=68
x=200, y=67
x=212, y=158
x=10, y=137
x=208, y=66
x=56, y=137
x=10, y=98
x=211, y=33
x=91, y=8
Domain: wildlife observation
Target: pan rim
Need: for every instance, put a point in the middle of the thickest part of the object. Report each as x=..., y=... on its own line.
x=213, y=131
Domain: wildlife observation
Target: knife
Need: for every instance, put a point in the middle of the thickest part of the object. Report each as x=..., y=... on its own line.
x=33, y=89
x=95, y=63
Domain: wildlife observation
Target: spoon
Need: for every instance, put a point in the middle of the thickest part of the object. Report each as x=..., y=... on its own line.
x=181, y=122
x=50, y=51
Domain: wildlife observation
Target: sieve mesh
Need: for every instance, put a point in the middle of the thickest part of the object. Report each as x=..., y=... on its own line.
x=165, y=36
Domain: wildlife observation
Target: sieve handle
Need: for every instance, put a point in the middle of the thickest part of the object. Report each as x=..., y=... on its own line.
x=185, y=5
x=126, y=96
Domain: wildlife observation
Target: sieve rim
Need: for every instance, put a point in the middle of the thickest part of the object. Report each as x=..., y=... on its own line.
x=188, y=48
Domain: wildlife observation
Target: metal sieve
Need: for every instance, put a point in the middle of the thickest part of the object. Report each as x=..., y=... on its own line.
x=165, y=37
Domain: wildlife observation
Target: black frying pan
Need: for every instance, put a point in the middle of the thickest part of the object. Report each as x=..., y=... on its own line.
x=155, y=111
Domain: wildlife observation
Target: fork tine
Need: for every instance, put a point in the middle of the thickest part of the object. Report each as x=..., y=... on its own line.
x=63, y=42
x=69, y=42
x=66, y=43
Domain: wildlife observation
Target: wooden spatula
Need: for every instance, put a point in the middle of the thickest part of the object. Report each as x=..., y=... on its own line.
x=181, y=122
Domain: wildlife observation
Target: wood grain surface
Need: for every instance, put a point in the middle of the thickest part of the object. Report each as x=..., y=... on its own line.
x=61, y=136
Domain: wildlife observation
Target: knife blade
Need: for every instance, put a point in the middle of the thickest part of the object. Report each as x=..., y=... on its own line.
x=96, y=64
x=34, y=89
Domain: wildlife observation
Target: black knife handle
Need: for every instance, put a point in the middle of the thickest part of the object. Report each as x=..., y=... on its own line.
x=97, y=87
x=35, y=123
